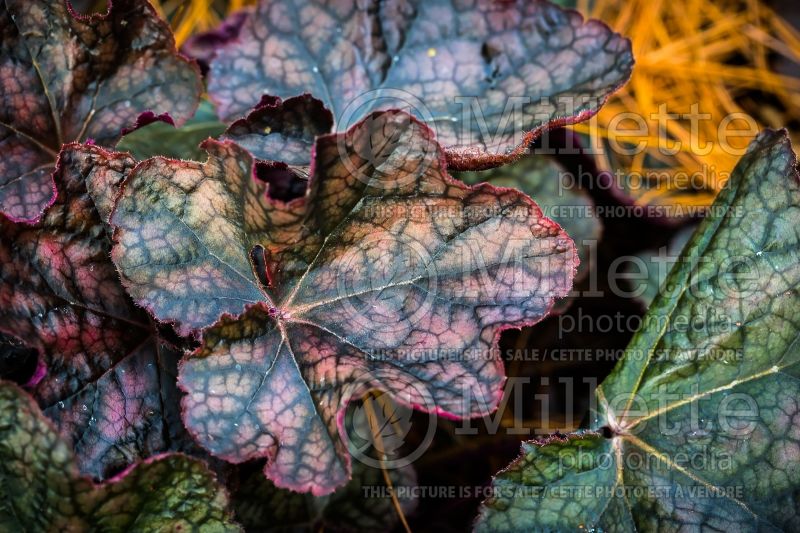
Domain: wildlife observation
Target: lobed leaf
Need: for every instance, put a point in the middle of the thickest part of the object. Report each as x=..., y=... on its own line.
x=202, y=46
x=103, y=369
x=43, y=490
x=542, y=178
x=388, y=274
x=488, y=77
x=285, y=131
x=164, y=139
x=696, y=427
x=68, y=77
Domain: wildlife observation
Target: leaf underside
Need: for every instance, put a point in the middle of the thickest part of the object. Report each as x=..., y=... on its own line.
x=699, y=424
x=68, y=78
x=388, y=274
x=43, y=490
x=487, y=77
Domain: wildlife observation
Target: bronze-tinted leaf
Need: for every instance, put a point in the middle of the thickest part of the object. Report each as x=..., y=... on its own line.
x=388, y=274
x=67, y=77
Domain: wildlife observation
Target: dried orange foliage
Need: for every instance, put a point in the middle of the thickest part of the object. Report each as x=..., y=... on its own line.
x=194, y=16
x=693, y=52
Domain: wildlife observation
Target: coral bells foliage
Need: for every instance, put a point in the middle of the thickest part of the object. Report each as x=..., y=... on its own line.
x=204, y=308
x=488, y=76
x=67, y=77
x=195, y=307
x=329, y=295
x=102, y=365
x=286, y=310
x=665, y=447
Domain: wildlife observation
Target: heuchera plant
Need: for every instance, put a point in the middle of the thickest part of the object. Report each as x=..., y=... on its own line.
x=189, y=314
x=663, y=403
x=67, y=77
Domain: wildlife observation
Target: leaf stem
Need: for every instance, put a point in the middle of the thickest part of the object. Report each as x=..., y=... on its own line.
x=378, y=440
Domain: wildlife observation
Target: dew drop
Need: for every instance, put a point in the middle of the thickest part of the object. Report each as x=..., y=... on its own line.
x=238, y=366
x=759, y=253
x=60, y=405
x=431, y=52
x=235, y=425
x=212, y=391
x=84, y=407
x=396, y=59
x=314, y=69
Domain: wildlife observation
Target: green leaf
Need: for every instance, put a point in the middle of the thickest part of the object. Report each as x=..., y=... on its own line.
x=160, y=138
x=648, y=269
x=697, y=426
x=43, y=491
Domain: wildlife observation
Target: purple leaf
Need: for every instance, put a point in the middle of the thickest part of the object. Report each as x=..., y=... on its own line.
x=387, y=274
x=487, y=77
x=67, y=77
x=104, y=369
x=282, y=130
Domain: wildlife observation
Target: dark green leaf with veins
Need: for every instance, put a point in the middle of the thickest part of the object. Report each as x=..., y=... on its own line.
x=43, y=491
x=698, y=426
